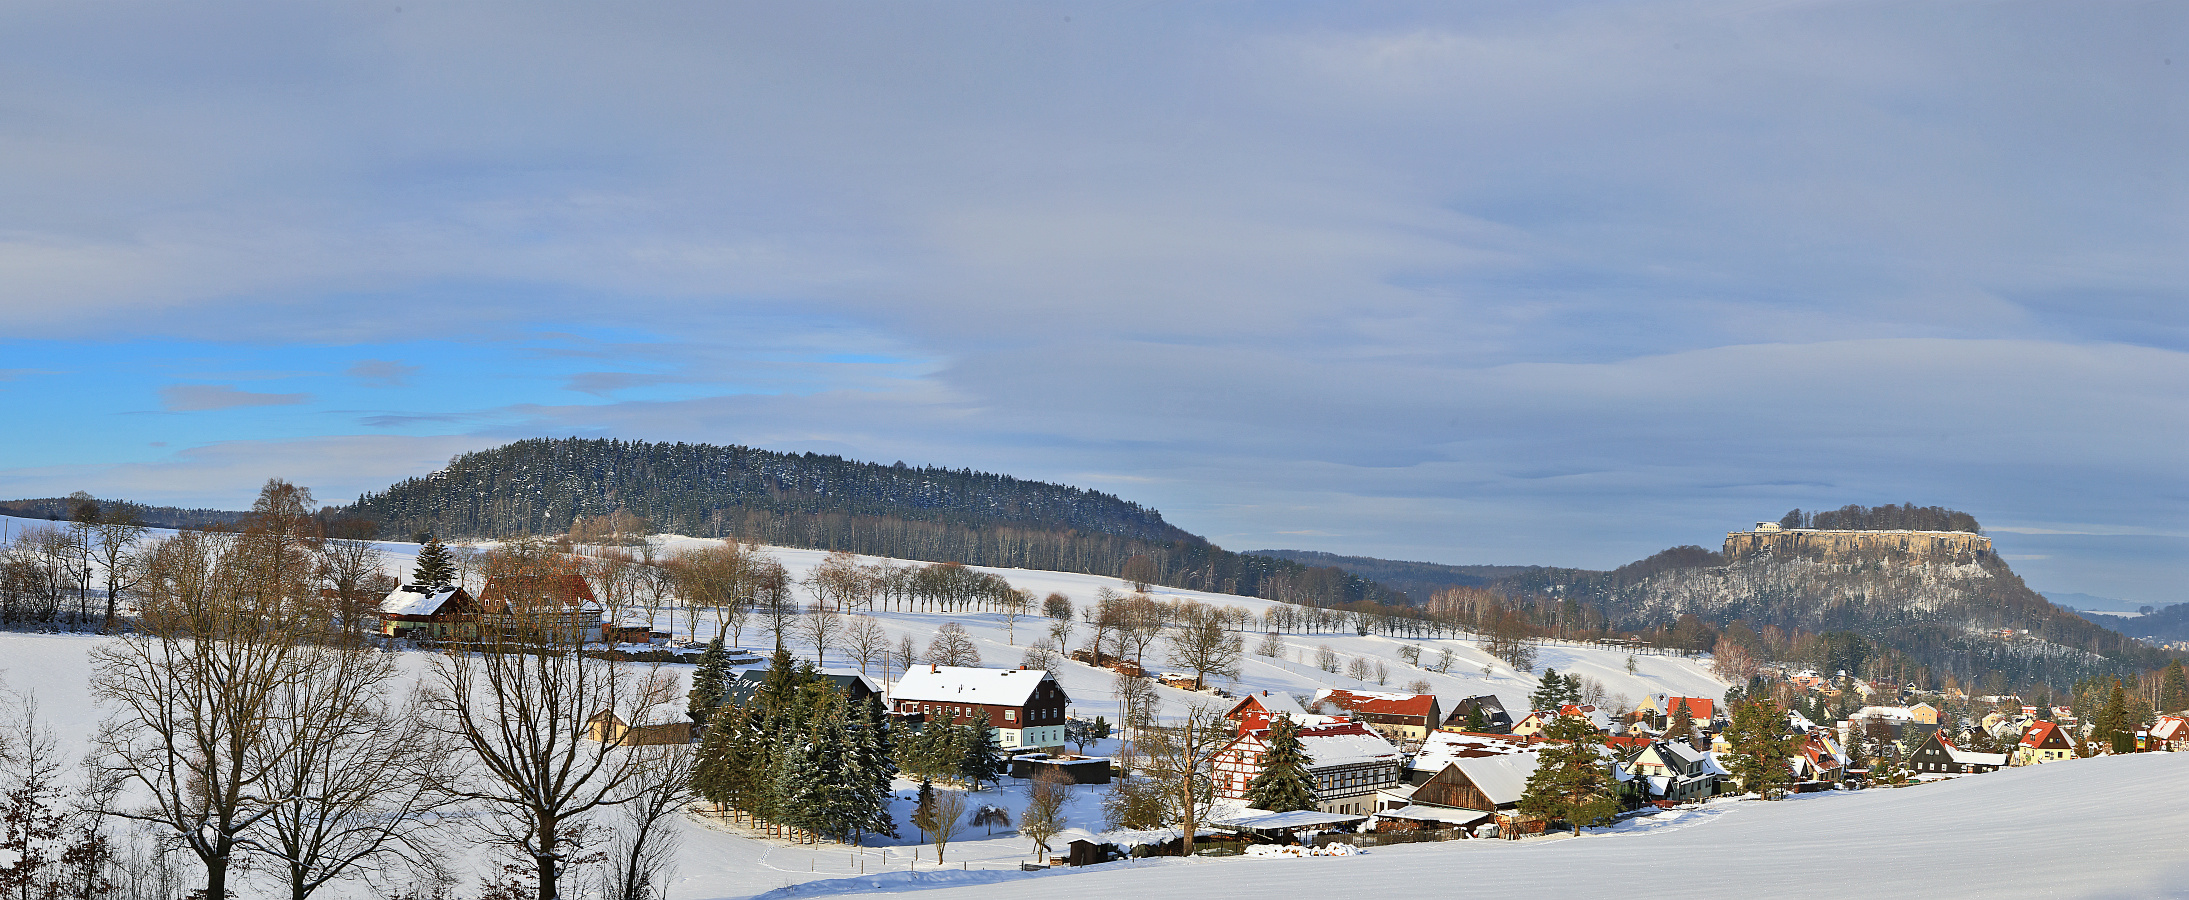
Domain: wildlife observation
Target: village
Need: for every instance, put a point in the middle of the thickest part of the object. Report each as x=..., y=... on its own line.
x=947, y=745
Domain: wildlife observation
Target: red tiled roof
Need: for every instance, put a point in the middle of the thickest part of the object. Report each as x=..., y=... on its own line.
x=1698, y=708
x=1383, y=704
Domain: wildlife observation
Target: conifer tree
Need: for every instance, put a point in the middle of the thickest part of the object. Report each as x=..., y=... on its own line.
x=711, y=776
x=708, y=681
x=1476, y=721
x=1760, y=748
x=799, y=794
x=1571, y=781
x=1548, y=692
x=1680, y=726
x=2114, y=732
x=981, y=760
x=923, y=809
x=872, y=771
x=435, y=568
x=2173, y=689
x=1283, y=784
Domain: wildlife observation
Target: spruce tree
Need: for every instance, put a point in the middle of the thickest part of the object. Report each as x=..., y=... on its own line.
x=711, y=771
x=2115, y=733
x=799, y=793
x=1680, y=726
x=1283, y=784
x=923, y=809
x=1548, y=691
x=1571, y=781
x=981, y=760
x=1476, y=722
x=1573, y=690
x=837, y=811
x=872, y=771
x=435, y=568
x=2173, y=689
x=1760, y=748
x=708, y=682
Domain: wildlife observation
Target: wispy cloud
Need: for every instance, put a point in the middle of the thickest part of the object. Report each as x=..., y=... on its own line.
x=381, y=373
x=202, y=397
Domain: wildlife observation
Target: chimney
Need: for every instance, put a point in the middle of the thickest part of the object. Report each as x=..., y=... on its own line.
x=934, y=669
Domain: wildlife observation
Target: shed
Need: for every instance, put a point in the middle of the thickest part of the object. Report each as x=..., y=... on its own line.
x=1076, y=769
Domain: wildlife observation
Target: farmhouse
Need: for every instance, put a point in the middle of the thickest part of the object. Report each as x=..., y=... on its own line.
x=1254, y=711
x=559, y=604
x=1676, y=772
x=427, y=613
x=1024, y=706
x=1348, y=764
x=1405, y=718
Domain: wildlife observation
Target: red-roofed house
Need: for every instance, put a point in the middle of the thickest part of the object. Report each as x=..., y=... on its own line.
x=1701, y=709
x=1347, y=763
x=2044, y=742
x=1254, y=711
x=1406, y=718
x=2170, y=733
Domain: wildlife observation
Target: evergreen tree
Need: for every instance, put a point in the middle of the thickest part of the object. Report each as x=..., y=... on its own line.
x=1476, y=721
x=838, y=811
x=1548, y=692
x=799, y=786
x=923, y=809
x=1760, y=748
x=872, y=770
x=435, y=568
x=1571, y=781
x=708, y=682
x=1573, y=690
x=2173, y=689
x=2114, y=732
x=1680, y=726
x=711, y=772
x=1283, y=784
x=981, y=760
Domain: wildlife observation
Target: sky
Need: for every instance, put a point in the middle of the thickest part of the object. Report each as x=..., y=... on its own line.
x=1529, y=282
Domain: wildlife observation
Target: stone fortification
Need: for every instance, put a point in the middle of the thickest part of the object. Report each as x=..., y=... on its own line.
x=1813, y=543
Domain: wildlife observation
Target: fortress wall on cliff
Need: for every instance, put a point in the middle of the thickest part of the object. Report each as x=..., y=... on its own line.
x=1837, y=544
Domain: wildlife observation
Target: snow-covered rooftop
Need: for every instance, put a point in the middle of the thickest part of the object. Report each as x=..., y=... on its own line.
x=966, y=684
x=1444, y=746
x=416, y=600
x=1345, y=743
x=1500, y=778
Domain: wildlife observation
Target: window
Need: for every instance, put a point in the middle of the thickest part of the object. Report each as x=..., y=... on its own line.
x=1010, y=715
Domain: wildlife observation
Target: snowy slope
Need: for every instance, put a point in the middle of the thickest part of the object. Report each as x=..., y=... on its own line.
x=2108, y=827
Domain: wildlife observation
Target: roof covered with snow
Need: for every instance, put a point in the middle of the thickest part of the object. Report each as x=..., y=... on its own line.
x=968, y=684
x=417, y=600
x=1380, y=703
x=1342, y=744
x=1500, y=778
x=1274, y=703
x=1444, y=746
x=1264, y=820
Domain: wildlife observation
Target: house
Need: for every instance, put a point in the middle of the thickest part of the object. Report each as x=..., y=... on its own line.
x=1535, y=723
x=1469, y=786
x=558, y=606
x=1676, y=772
x=1405, y=718
x=1443, y=747
x=1923, y=713
x=2169, y=733
x=1348, y=763
x=1817, y=758
x=1024, y=706
x=1702, y=709
x=662, y=725
x=421, y=612
x=1938, y=755
x=852, y=683
x=1254, y=711
x=2044, y=742
x=1494, y=718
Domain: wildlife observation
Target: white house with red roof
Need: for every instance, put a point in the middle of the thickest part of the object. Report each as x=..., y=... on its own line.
x=1254, y=711
x=2169, y=733
x=1347, y=763
x=1406, y=718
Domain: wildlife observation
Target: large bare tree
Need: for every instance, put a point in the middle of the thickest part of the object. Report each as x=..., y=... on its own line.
x=520, y=708
x=196, y=688
x=1179, y=757
x=1202, y=645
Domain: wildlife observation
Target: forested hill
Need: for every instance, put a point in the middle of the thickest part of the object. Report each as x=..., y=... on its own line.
x=63, y=508
x=543, y=486
x=1418, y=580
x=1925, y=617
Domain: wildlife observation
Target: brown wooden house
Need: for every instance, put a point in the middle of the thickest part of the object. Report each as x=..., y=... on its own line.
x=422, y=612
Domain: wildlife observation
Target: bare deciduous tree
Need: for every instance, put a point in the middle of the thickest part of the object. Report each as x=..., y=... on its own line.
x=1179, y=756
x=819, y=626
x=1046, y=797
x=520, y=708
x=1203, y=646
x=951, y=646
x=642, y=855
x=868, y=642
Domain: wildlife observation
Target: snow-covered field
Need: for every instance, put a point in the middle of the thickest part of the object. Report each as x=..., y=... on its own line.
x=716, y=862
